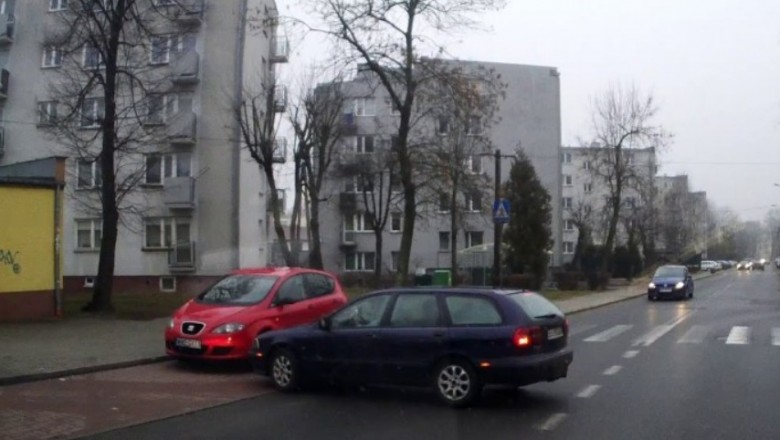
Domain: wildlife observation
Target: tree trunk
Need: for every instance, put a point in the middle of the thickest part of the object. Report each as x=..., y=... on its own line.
x=454, y=233
x=410, y=205
x=315, y=252
x=378, y=258
x=276, y=212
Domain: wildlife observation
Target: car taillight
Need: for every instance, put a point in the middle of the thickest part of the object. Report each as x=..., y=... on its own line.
x=527, y=337
x=566, y=327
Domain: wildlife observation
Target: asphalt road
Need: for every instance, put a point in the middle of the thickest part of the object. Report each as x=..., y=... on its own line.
x=701, y=369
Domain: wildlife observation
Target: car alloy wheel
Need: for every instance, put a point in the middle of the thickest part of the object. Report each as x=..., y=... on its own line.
x=456, y=383
x=284, y=370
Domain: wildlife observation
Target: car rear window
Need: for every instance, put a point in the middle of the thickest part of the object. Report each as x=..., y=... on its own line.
x=239, y=290
x=535, y=305
x=472, y=310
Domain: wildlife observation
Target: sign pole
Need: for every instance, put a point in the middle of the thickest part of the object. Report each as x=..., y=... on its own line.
x=497, y=227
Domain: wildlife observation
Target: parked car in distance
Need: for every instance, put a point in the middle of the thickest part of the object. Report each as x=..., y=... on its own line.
x=725, y=264
x=758, y=265
x=670, y=281
x=744, y=265
x=711, y=266
x=454, y=340
x=222, y=322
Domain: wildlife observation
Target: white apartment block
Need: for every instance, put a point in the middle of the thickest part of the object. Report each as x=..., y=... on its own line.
x=205, y=199
x=585, y=193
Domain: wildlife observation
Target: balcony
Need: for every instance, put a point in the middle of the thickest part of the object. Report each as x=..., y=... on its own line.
x=280, y=150
x=348, y=202
x=280, y=99
x=280, y=50
x=186, y=68
x=7, y=24
x=348, y=125
x=182, y=129
x=187, y=12
x=348, y=239
x=179, y=193
x=181, y=257
x=5, y=78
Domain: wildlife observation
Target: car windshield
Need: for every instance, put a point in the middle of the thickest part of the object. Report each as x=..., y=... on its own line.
x=535, y=305
x=669, y=271
x=239, y=290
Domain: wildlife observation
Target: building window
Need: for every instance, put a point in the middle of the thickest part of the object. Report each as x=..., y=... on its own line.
x=167, y=284
x=364, y=144
x=88, y=174
x=359, y=261
x=88, y=234
x=52, y=56
x=364, y=107
x=395, y=222
x=89, y=282
x=357, y=223
x=359, y=184
x=444, y=241
x=92, y=112
x=163, y=233
x=588, y=188
x=566, y=157
x=586, y=165
x=163, y=166
x=567, y=180
x=443, y=125
x=567, y=202
x=47, y=112
x=58, y=5
x=568, y=247
x=473, y=126
x=474, y=164
x=568, y=225
x=474, y=202
x=161, y=107
x=93, y=58
x=391, y=107
x=444, y=202
x=162, y=48
x=474, y=238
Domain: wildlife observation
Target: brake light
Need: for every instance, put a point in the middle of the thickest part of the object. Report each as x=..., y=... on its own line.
x=566, y=327
x=526, y=337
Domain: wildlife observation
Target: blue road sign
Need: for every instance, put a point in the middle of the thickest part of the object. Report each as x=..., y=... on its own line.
x=501, y=211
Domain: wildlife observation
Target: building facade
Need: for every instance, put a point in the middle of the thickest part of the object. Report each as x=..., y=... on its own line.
x=203, y=198
x=529, y=116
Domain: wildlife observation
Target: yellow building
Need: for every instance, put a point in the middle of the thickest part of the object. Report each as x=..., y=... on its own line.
x=30, y=227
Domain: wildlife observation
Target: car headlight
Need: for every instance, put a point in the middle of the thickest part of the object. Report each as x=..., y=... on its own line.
x=170, y=323
x=651, y=286
x=232, y=327
x=679, y=285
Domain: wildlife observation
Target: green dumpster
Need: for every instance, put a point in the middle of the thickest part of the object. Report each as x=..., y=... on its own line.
x=442, y=277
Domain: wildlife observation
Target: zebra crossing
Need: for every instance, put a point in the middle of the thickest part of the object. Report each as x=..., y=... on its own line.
x=695, y=334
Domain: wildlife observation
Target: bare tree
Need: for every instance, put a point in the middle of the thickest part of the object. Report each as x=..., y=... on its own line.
x=103, y=102
x=622, y=120
x=389, y=37
x=317, y=123
x=581, y=214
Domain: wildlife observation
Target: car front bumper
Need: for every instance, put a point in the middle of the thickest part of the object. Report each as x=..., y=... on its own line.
x=674, y=293
x=525, y=370
x=212, y=347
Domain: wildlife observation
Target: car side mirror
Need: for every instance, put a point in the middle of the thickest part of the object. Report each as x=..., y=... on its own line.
x=325, y=324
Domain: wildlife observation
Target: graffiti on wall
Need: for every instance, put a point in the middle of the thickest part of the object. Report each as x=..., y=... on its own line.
x=11, y=259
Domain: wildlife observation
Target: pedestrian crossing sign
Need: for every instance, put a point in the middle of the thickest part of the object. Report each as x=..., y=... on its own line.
x=501, y=211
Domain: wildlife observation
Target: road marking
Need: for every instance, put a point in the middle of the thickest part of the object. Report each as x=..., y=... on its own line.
x=776, y=336
x=606, y=335
x=653, y=335
x=588, y=391
x=630, y=354
x=738, y=336
x=581, y=329
x=552, y=422
x=695, y=335
x=613, y=370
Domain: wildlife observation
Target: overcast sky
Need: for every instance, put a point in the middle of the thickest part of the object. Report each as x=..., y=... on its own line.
x=713, y=66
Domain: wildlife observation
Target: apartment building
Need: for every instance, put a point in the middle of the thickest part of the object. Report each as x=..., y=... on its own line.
x=529, y=116
x=203, y=198
x=585, y=192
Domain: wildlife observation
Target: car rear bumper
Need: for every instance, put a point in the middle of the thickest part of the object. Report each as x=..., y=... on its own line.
x=526, y=370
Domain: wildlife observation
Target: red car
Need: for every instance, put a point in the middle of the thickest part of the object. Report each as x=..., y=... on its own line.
x=222, y=322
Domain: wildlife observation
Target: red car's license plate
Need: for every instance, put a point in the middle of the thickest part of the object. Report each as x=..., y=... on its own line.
x=189, y=343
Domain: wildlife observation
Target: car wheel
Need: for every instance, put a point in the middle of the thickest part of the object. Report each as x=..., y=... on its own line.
x=456, y=383
x=284, y=370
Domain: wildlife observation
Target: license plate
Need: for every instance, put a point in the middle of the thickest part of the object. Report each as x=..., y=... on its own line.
x=666, y=290
x=554, y=333
x=189, y=343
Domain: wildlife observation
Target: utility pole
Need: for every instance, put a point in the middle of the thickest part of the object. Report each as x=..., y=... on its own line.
x=497, y=226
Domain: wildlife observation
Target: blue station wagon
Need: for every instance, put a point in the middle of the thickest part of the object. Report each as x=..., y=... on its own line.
x=454, y=340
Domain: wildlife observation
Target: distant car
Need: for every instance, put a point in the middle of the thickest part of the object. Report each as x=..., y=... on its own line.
x=725, y=264
x=711, y=266
x=222, y=322
x=758, y=265
x=744, y=265
x=670, y=281
x=455, y=340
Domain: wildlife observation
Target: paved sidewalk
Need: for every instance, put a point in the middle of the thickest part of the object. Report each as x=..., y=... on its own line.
x=35, y=351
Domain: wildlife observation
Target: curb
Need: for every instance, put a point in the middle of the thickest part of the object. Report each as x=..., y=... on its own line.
x=16, y=380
